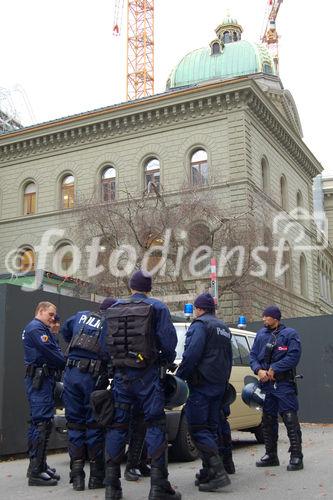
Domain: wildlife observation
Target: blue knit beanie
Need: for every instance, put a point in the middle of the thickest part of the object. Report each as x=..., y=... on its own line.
x=204, y=301
x=141, y=281
x=108, y=302
x=273, y=312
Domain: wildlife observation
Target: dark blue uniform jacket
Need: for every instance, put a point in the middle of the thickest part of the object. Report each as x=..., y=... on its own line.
x=286, y=353
x=40, y=346
x=90, y=323
x=208, y=350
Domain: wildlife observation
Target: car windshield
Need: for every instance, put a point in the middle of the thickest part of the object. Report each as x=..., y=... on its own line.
x=181, y=334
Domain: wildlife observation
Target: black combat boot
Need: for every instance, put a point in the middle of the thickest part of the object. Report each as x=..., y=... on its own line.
x=135, y=447
x=270, y=432
x=203, y=475
x=160, y=488
x=77, y=474
x=144, y=468
x=51, y=471
x=113, y=489
x=218, y=478
x=228, y=463
x=97, y=474
x=290, y=420
x=226, y=454
x=36, y=473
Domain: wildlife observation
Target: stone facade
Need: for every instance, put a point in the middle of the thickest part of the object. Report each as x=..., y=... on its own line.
x=238, y=123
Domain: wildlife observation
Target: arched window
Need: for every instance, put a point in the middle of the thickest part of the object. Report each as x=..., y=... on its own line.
x=227, y=37
x=199, y=168
x=26, y=260
x=109, y=184
x=286, y=261
x=216, y=49
x=299, y=202
x=152, y=175
x=326, y=282
x=320, y=276
x=67, y=192
x=63, y=259
x=267, y=68
x=29, y=201
x=283, y=193
x=268, y=256
x=264, y=175
x=303, y=272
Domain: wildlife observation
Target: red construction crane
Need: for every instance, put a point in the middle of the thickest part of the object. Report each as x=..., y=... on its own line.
x=140, y=45
x=270, y=36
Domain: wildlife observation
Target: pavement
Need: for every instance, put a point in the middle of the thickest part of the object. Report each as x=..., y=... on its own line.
x=275, y=483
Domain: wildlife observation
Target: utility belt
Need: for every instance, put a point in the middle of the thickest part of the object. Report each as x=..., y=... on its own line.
x=93, y=366
x=38, y=374
x=44, y=369
x=288, y=376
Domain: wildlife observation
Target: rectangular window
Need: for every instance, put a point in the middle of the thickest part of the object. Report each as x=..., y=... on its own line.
x=108, y=190
x=29, y=204
x=236, y=357
x=153, y=177
x=68, y=196
x=200, y=173
x=243, y=349
x=181, y=335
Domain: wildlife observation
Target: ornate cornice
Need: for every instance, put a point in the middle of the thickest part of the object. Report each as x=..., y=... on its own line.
x=170, y=110
x=282, y=135
x=118, y=126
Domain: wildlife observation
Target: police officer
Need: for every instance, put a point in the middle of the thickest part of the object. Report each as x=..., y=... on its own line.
x=55, y=326
x=43, y=358
x=206, y=365
x=141, y=337
x=274, y=356
x=86, y=370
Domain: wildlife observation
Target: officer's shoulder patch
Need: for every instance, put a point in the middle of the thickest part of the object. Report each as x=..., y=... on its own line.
x=44, y=338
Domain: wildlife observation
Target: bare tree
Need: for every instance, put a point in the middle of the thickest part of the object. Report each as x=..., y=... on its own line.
x=191, y=224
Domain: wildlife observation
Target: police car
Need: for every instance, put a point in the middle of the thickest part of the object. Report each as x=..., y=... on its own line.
x=242, y=417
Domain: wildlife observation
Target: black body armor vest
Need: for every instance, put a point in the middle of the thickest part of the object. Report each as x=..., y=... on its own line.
x=88, y=337
x=216, y=362
x=130, y=338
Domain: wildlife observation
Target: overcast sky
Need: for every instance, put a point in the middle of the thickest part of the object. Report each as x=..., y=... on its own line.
x=66, y=59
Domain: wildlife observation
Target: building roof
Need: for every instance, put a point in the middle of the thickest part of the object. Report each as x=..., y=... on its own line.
x=228, y=56
x=236, y=59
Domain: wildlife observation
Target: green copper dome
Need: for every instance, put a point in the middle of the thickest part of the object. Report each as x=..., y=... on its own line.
x=229, y=20
x=228, y=56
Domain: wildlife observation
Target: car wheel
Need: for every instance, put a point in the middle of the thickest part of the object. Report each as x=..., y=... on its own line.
x=259, y=434
x=183, y=448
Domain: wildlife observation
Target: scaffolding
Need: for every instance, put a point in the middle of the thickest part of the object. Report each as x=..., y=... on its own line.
x=8, y=114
